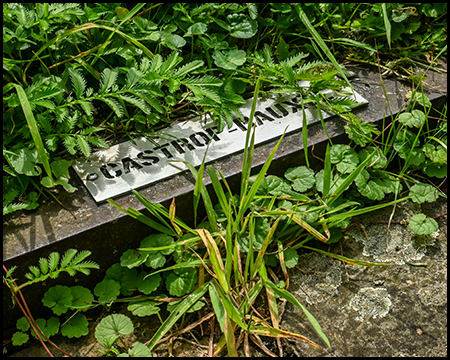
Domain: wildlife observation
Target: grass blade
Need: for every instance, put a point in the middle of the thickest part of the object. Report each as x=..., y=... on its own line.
x=387, y=24
x=249, y=143
x=26, y=107
x=289, y=297
x=304, y=18
x=346, y=259
x=327, y=172
x=144, y=219
x=180, y=310
x=247, y=199
x=216, y=259
x=349, y=179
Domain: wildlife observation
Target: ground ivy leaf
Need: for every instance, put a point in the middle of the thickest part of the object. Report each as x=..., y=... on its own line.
x=290, y=258
x=414, y=118
x=144, y=308
x=302, y=178
x=380, y=160
x=82, y=297
x=49, y=327
x=23, y=324
x=229, y=60
x=423, y=192
x=196, y=29
x=58, y=298
x=19, y=338
x=132, y=258
x=436, y=154
x=140, y=350
x=123, y=275
x=345, y=158
x=277, y=186
x=107, y=290
x=77, y=326
x=404, y=141
x=241, y=26
x=432, y=169
x=111, y=327
x=158, y=240
x=148, y=284
x=423, y=225
x=24, y=162
x=181, y=282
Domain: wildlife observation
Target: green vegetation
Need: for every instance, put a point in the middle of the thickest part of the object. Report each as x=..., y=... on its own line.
x=145, y=67
x=77, y=76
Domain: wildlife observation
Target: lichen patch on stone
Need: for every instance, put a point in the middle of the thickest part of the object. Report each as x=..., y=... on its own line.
x=371, y=302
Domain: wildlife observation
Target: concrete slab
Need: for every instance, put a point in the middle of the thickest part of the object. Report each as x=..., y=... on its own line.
x=108, y=232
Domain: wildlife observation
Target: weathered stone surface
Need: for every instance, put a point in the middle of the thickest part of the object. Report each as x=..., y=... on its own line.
x=392, y=311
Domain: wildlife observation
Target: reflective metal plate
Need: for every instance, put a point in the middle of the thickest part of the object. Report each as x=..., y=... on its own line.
x=128, y=166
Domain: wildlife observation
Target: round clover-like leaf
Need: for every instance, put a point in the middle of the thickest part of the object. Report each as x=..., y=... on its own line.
x=230, y=59
x=123, y=275
x=149, y=284
x=111, y=327
x=156, y=258
x=379, y=160
x=423, y=192
x=242, y=26
x=107, y=290
x=290, y=258
x=345, y=158
x=77, y=326
x=423, y=225
x=436, y=154
x=277, y=186
x=132, y=258
x=144, y=308
x=302, y=178
x=19, y=338
x=414, y=118
x=23, y=324
x=181, y=282
x=196, y=29
x=58, y=298
x=140, y=350
x=82, y=297
x=49, y=327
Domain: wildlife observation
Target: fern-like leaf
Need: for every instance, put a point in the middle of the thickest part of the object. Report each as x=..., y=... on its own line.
x=156, y=63
x=169, y=64
x=43, y=264
x=113, y=104
x=133, y=78
x=288, y=73
x=83, y=145
x=67, y=257
x=87, y=107
x=206, y=80
x=187, y=68
x=34, y=271
x=293, y=60
x=70, y=144
x=108, y=79
x=53, y=260
x=78, y=82
x=80, y=257
x=136, y=102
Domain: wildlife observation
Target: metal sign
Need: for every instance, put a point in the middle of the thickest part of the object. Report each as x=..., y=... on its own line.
x=129, y=165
